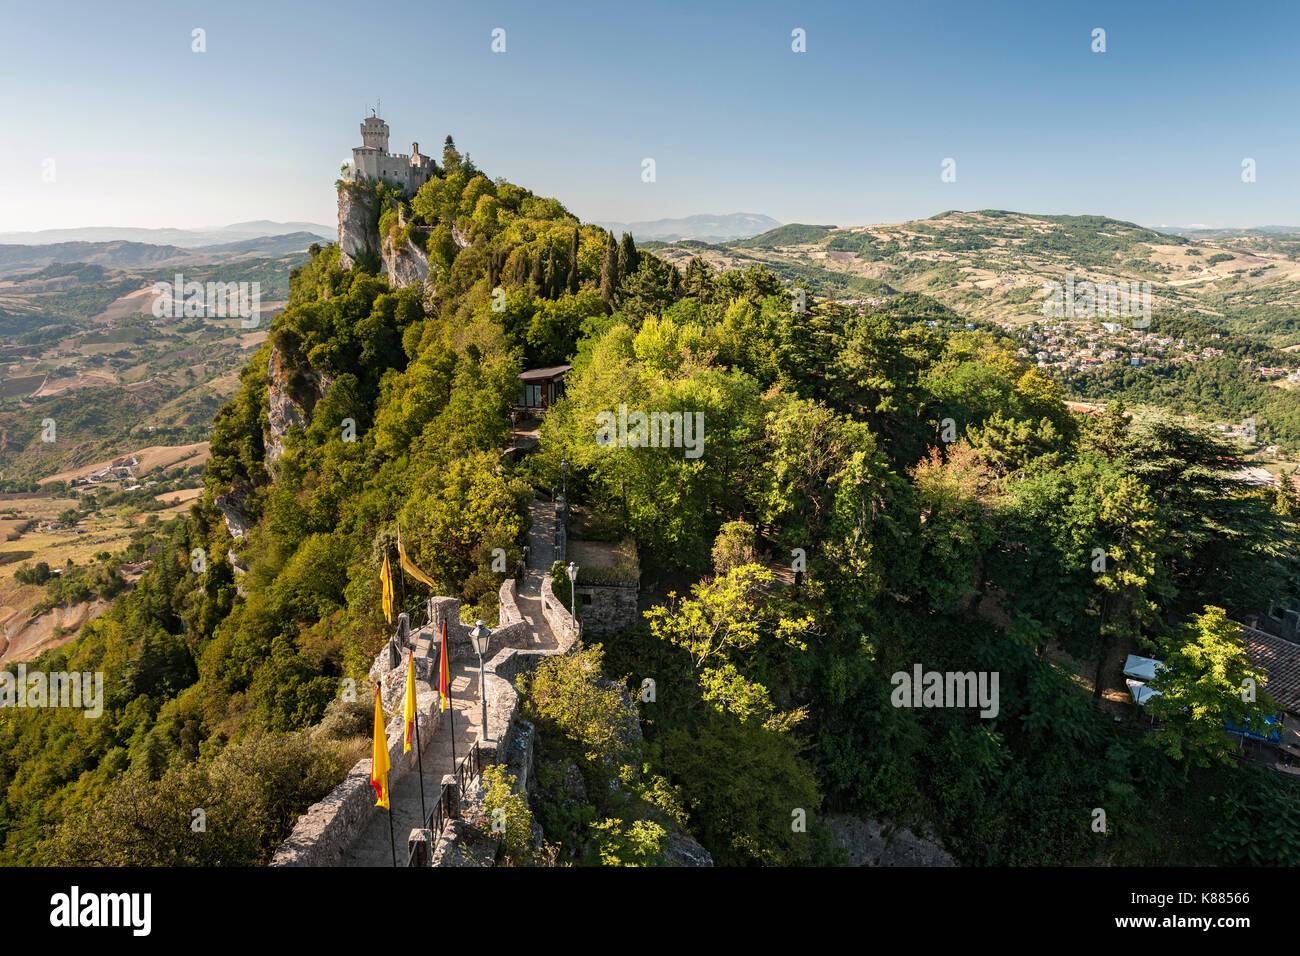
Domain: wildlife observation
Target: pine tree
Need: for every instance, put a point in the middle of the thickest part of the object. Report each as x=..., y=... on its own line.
x=699, y=279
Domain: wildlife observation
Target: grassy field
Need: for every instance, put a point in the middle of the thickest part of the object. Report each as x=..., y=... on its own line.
x=22, y=635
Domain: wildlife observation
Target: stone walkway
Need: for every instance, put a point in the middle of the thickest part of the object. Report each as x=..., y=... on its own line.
x=541, y=555
x=372, y=845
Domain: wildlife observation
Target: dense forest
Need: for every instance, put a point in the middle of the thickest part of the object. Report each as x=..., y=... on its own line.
x=949, y=508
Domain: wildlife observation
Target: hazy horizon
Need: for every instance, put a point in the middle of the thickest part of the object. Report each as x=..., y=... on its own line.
x=853, y=131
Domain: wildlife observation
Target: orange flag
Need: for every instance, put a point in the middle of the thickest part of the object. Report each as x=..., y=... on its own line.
x=379, y=756
x=443, y=677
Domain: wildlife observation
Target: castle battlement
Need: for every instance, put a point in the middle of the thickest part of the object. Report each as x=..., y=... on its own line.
x=372, y=160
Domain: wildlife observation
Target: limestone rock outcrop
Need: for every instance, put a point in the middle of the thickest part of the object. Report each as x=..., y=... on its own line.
x=358, y=224
x=291, y=397
x=232, y=508
x=407, y=265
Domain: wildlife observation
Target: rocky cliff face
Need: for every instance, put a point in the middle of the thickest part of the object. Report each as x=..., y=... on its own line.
x=358, y=224
x=408, y=265
x=880, y=843
x=232, y=508
x=291, y=394
x=403, y=265
x=291, y=397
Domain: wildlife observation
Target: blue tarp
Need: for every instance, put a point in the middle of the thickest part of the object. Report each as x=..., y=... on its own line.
x=1273, y=737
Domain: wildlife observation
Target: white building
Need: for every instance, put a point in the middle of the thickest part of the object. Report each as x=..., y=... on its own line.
x=372, y=160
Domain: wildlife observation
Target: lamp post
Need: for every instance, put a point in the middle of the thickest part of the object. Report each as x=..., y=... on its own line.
x=573, y=595
x=564, y=479
x=480, y=637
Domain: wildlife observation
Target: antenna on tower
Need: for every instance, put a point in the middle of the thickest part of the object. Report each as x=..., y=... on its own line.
x=379, y=107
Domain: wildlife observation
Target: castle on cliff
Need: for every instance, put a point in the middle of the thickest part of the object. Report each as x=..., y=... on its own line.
x=372, y=160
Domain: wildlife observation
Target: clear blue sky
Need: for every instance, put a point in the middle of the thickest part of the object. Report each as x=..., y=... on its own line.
x=143, y=132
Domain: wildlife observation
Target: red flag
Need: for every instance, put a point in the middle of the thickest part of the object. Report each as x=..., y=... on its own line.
x=443, y=677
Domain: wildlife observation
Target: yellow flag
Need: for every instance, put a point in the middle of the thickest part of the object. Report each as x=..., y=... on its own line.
x=410, y=702
x=409, y=567
x=379, y=756
x=386, y=577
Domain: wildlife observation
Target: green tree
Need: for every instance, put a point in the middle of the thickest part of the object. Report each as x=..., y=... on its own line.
x=1207, y=681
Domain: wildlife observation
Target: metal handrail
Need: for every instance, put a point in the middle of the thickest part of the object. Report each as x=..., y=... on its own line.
x=417, y=612
x=470, y=766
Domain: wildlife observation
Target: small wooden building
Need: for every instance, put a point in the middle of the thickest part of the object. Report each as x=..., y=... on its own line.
x=542, y=387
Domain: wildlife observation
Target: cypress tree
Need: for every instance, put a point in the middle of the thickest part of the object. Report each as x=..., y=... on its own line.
x=627, y=256
x=554, y=281
x=609, y=272
x=573, y=264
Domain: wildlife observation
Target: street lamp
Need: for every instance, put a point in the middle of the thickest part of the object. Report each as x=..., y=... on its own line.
x=573, y=597
x=480, y=637
x=564, y=478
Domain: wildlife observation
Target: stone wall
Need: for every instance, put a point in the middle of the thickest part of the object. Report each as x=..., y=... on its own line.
x=609, y=608
x=511, y=630
x=506, y=666
x=557, y=615
x=323, y=834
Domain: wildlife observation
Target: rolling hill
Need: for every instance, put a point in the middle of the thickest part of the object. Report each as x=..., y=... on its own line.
x=992, y=264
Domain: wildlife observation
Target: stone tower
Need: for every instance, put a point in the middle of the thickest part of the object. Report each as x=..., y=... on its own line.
x=374, y=134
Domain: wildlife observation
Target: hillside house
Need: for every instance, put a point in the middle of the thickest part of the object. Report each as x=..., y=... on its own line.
x=1279, y=658
x=542, y=388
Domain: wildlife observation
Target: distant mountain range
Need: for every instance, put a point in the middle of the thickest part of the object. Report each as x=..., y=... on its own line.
x=703, y=228
x=183, y=238
x=120, y=254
